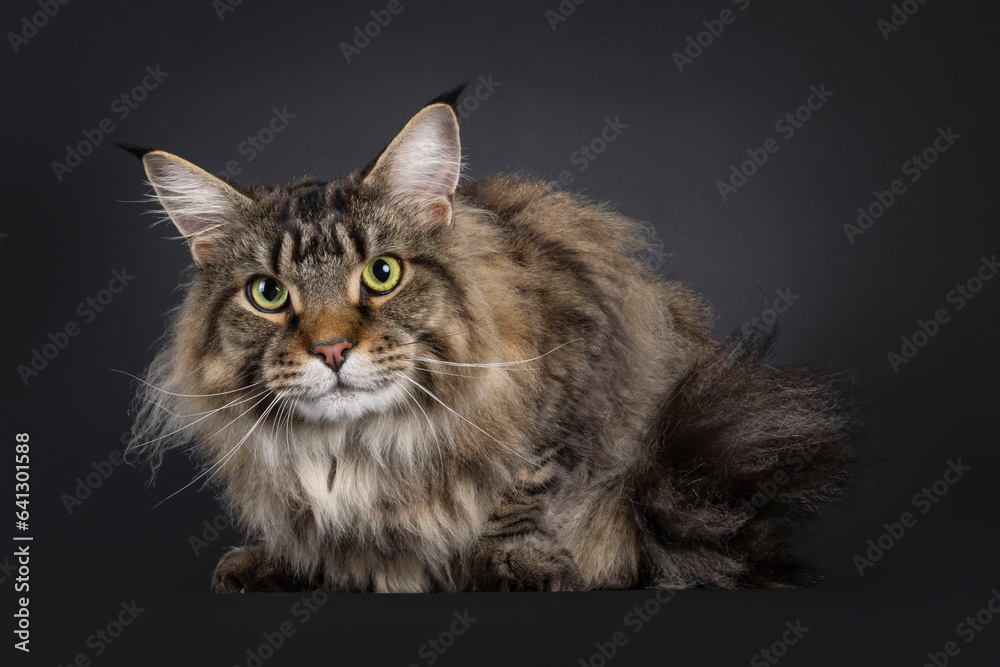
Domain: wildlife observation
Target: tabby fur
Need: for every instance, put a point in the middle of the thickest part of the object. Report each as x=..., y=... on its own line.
x=531, y=408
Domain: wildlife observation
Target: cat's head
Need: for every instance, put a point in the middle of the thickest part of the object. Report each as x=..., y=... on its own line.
x=323, y=293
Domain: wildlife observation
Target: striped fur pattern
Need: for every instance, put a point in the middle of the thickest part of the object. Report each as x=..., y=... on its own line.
x=531, y=408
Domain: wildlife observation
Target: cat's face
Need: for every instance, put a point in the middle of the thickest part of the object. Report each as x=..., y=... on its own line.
x=331, y=308
x=325, y=294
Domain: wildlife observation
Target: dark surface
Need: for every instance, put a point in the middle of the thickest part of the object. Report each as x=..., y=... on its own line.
x=782, y=230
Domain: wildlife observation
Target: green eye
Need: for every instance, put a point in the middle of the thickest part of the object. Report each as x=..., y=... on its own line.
x=382, y=274
x=267, y=294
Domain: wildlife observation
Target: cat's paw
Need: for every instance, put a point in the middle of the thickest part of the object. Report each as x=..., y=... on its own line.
x=524, y=565
x=250, y=569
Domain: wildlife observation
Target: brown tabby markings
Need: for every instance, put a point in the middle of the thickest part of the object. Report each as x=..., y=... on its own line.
x=555, y=462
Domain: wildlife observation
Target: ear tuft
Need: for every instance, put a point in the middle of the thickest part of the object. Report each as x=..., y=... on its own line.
x=134, y=149
x=200, y=205
x=450, y=97
x=421, y=167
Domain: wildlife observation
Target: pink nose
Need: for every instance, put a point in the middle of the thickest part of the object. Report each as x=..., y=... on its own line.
x=333, y=353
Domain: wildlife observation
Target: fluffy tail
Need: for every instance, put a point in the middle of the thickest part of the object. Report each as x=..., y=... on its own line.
x=737, y=458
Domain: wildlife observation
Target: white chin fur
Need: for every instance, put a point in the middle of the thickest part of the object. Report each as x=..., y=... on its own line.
x=340, y=404
x=329, y=400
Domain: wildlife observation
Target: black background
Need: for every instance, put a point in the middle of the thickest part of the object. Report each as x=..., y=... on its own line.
x=782, y=230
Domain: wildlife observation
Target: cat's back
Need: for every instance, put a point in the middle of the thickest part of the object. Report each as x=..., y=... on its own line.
x=543, y=231
x=530, y=210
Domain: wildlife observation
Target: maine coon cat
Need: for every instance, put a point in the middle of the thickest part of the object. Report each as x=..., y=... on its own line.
x=399, y=383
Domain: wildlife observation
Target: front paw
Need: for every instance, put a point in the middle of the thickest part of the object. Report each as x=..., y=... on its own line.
x=524, y=564
x=250, y=568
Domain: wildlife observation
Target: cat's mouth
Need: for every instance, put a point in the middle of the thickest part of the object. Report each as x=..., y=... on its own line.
x=355, y=389
x=346, y=390
x=339, y=392
x=342, y=386
x=345, y=401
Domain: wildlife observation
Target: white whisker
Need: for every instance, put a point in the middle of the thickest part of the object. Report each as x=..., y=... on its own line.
x=277, y=418
x=198, y=414
x=115, y=370
x=288, y=424
x=462, y=375
x=228, y=454
x=433, y=430
x=206, y=416
x=446, y=407
x=496, y=364
x=253, y=428
x=168, y=410
x=234, y=420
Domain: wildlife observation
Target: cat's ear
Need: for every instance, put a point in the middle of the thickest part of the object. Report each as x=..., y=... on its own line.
x=200, y=205
x=421, y=167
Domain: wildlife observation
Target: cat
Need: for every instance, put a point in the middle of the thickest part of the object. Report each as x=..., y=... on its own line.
x=403, y=384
